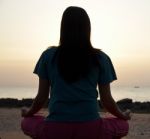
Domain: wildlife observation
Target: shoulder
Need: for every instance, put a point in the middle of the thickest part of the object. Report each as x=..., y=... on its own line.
x=102, y=56
x=49, y=51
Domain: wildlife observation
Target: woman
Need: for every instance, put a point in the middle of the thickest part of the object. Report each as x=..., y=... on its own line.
x=71, y=73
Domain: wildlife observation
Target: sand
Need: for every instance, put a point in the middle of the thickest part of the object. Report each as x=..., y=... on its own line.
x=10, y=125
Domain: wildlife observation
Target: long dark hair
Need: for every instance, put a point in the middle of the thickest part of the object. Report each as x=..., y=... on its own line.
x=75, y=54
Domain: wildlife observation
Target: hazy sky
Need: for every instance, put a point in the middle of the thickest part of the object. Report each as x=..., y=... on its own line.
x=121, y=28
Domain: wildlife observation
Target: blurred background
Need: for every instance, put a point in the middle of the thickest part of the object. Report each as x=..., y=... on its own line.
x=120, y=28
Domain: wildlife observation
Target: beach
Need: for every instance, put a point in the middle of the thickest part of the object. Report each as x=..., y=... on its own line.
x=10, y=125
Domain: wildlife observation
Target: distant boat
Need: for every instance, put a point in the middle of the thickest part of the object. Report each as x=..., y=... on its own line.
x=136, y=87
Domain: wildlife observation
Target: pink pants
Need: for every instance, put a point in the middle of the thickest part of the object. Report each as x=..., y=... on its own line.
x=104, y=128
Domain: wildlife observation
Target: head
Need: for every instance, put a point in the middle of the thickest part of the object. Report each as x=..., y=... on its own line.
x=75, y=28
x=75, y=50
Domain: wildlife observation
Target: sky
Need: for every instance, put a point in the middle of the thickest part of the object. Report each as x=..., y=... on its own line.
x=120, y=28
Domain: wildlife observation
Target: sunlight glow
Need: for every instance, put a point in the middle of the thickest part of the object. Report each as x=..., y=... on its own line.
x=120, y=28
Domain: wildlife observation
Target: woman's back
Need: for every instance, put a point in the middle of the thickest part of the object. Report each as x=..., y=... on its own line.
x=75, y=101
x=71, y=73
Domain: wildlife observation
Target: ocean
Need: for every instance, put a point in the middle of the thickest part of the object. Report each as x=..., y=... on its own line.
x=135, y=93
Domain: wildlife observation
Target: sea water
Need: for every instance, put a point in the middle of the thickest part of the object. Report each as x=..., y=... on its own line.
x=135, y=93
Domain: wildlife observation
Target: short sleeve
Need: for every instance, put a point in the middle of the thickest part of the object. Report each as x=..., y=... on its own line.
x=41, y=67
x=107, y=72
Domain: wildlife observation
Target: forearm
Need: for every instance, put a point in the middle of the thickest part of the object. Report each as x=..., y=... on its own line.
x=36, y=105
x=112, y=107
x=40, y=99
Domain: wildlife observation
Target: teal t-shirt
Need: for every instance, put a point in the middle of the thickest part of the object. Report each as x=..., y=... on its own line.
x=76, y=101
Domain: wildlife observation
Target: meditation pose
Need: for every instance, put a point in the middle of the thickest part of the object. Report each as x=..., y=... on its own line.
x=71, y=75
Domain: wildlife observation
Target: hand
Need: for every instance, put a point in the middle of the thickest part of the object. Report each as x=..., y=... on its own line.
x=127, y=114
x=24, y=112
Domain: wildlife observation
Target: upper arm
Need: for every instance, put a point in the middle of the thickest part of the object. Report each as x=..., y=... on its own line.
x=105, y=92
x=107, y=72
x=43, y=89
